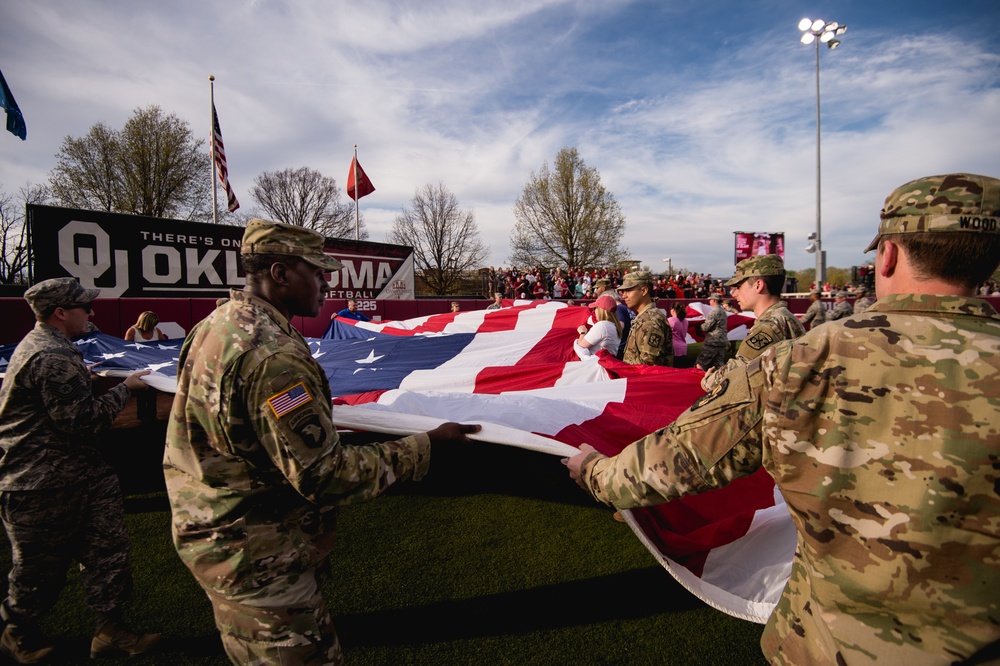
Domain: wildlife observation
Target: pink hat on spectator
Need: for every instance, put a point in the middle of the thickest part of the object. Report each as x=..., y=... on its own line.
x=604, y=302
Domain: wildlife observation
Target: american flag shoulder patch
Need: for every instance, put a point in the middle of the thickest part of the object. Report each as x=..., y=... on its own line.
x=289, y=399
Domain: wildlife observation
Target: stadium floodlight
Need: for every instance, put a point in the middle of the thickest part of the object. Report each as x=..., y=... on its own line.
x=819, y=32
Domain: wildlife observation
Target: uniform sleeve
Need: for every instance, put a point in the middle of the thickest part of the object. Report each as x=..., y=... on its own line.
x=291, y=413
x=64, y=385
x=709, y=381
x=652, y=340
x=715, y=441
x=763, y=335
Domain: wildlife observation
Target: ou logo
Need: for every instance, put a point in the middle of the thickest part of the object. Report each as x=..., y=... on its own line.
x=85, y=253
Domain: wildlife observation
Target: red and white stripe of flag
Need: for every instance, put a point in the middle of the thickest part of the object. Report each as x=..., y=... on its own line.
x=219, y=154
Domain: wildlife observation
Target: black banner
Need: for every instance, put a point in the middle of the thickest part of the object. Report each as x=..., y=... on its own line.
x=133, y=256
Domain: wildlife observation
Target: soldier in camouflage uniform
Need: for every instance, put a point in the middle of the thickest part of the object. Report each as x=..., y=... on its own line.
x=59, y=500
x=816, y=314
x=757, y=287
x=255, y=469
x=841, y=308
x=880, y=431
x=864, y=300
x=716, y=330
x=649, y=339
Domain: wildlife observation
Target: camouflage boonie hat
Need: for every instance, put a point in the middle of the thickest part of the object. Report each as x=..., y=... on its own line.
x=65, y=292
x=267, y=237
x=763, y=266
x=637, y=279
x=952, y=202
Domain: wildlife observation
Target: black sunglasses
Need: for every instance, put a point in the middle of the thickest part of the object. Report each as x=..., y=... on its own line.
x=86, y=308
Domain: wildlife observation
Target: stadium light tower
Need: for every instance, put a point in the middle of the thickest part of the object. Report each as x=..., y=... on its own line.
x=670, y=266
x=819, y=32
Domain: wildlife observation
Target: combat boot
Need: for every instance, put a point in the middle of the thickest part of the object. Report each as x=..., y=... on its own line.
x=24, y=647
x=114, y=636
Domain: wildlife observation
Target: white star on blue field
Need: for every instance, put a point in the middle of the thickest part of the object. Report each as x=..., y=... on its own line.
x=700, y=116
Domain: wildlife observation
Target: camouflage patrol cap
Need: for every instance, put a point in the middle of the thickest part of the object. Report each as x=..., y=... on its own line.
x=267, y=237
x=637, y=279
x=65, y=292
x=951, y=202
x=603, y=282
x=761, y=266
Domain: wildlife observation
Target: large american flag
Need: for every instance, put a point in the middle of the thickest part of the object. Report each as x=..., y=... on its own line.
x=219, y=154
x=513, y=371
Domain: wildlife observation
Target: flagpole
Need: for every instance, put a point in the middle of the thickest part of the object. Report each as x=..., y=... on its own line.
x=211, y=143
x=357, y=212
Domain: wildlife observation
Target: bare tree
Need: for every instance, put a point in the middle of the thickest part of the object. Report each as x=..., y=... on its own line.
x=567, y=218
x=306, y=198
x=13, y=248
x=152, y=166
x=445, y=239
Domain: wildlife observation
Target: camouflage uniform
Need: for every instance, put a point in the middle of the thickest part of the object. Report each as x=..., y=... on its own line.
x=918, y=529
x=815, y=315
x=864, y=302
x=776, y=322
x=255, y=471
x=59, y=500
x=649, y=339
x=841, y=309
x=773, y=325
x=881, y=433
x=716, y=330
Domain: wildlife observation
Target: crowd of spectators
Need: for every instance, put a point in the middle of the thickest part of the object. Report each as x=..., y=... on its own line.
x=580, y=283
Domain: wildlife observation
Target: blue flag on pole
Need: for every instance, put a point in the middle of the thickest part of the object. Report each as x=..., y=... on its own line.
x=15, y=121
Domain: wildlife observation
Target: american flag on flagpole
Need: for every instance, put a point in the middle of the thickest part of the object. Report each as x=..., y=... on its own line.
x=219, y=155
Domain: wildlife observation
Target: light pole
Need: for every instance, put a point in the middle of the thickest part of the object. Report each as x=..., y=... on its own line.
x=670, y=266
x=819, y=31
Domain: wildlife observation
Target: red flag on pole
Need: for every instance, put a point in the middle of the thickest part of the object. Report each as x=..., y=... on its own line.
x=219, y=153
x=363, y=187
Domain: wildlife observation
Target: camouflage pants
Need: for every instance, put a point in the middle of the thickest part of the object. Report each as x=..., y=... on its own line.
x=712, y=356
x=49, y=529
x=294, y=627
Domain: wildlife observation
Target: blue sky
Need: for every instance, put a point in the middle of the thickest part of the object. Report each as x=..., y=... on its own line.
x=699, y=115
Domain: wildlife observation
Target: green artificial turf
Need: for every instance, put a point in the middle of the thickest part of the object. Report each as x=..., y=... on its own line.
x=495, y=558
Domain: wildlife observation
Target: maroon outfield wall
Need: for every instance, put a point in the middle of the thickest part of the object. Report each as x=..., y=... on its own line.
x=114, y=315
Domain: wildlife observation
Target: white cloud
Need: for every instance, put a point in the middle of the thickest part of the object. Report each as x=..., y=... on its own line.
x=698, y=135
